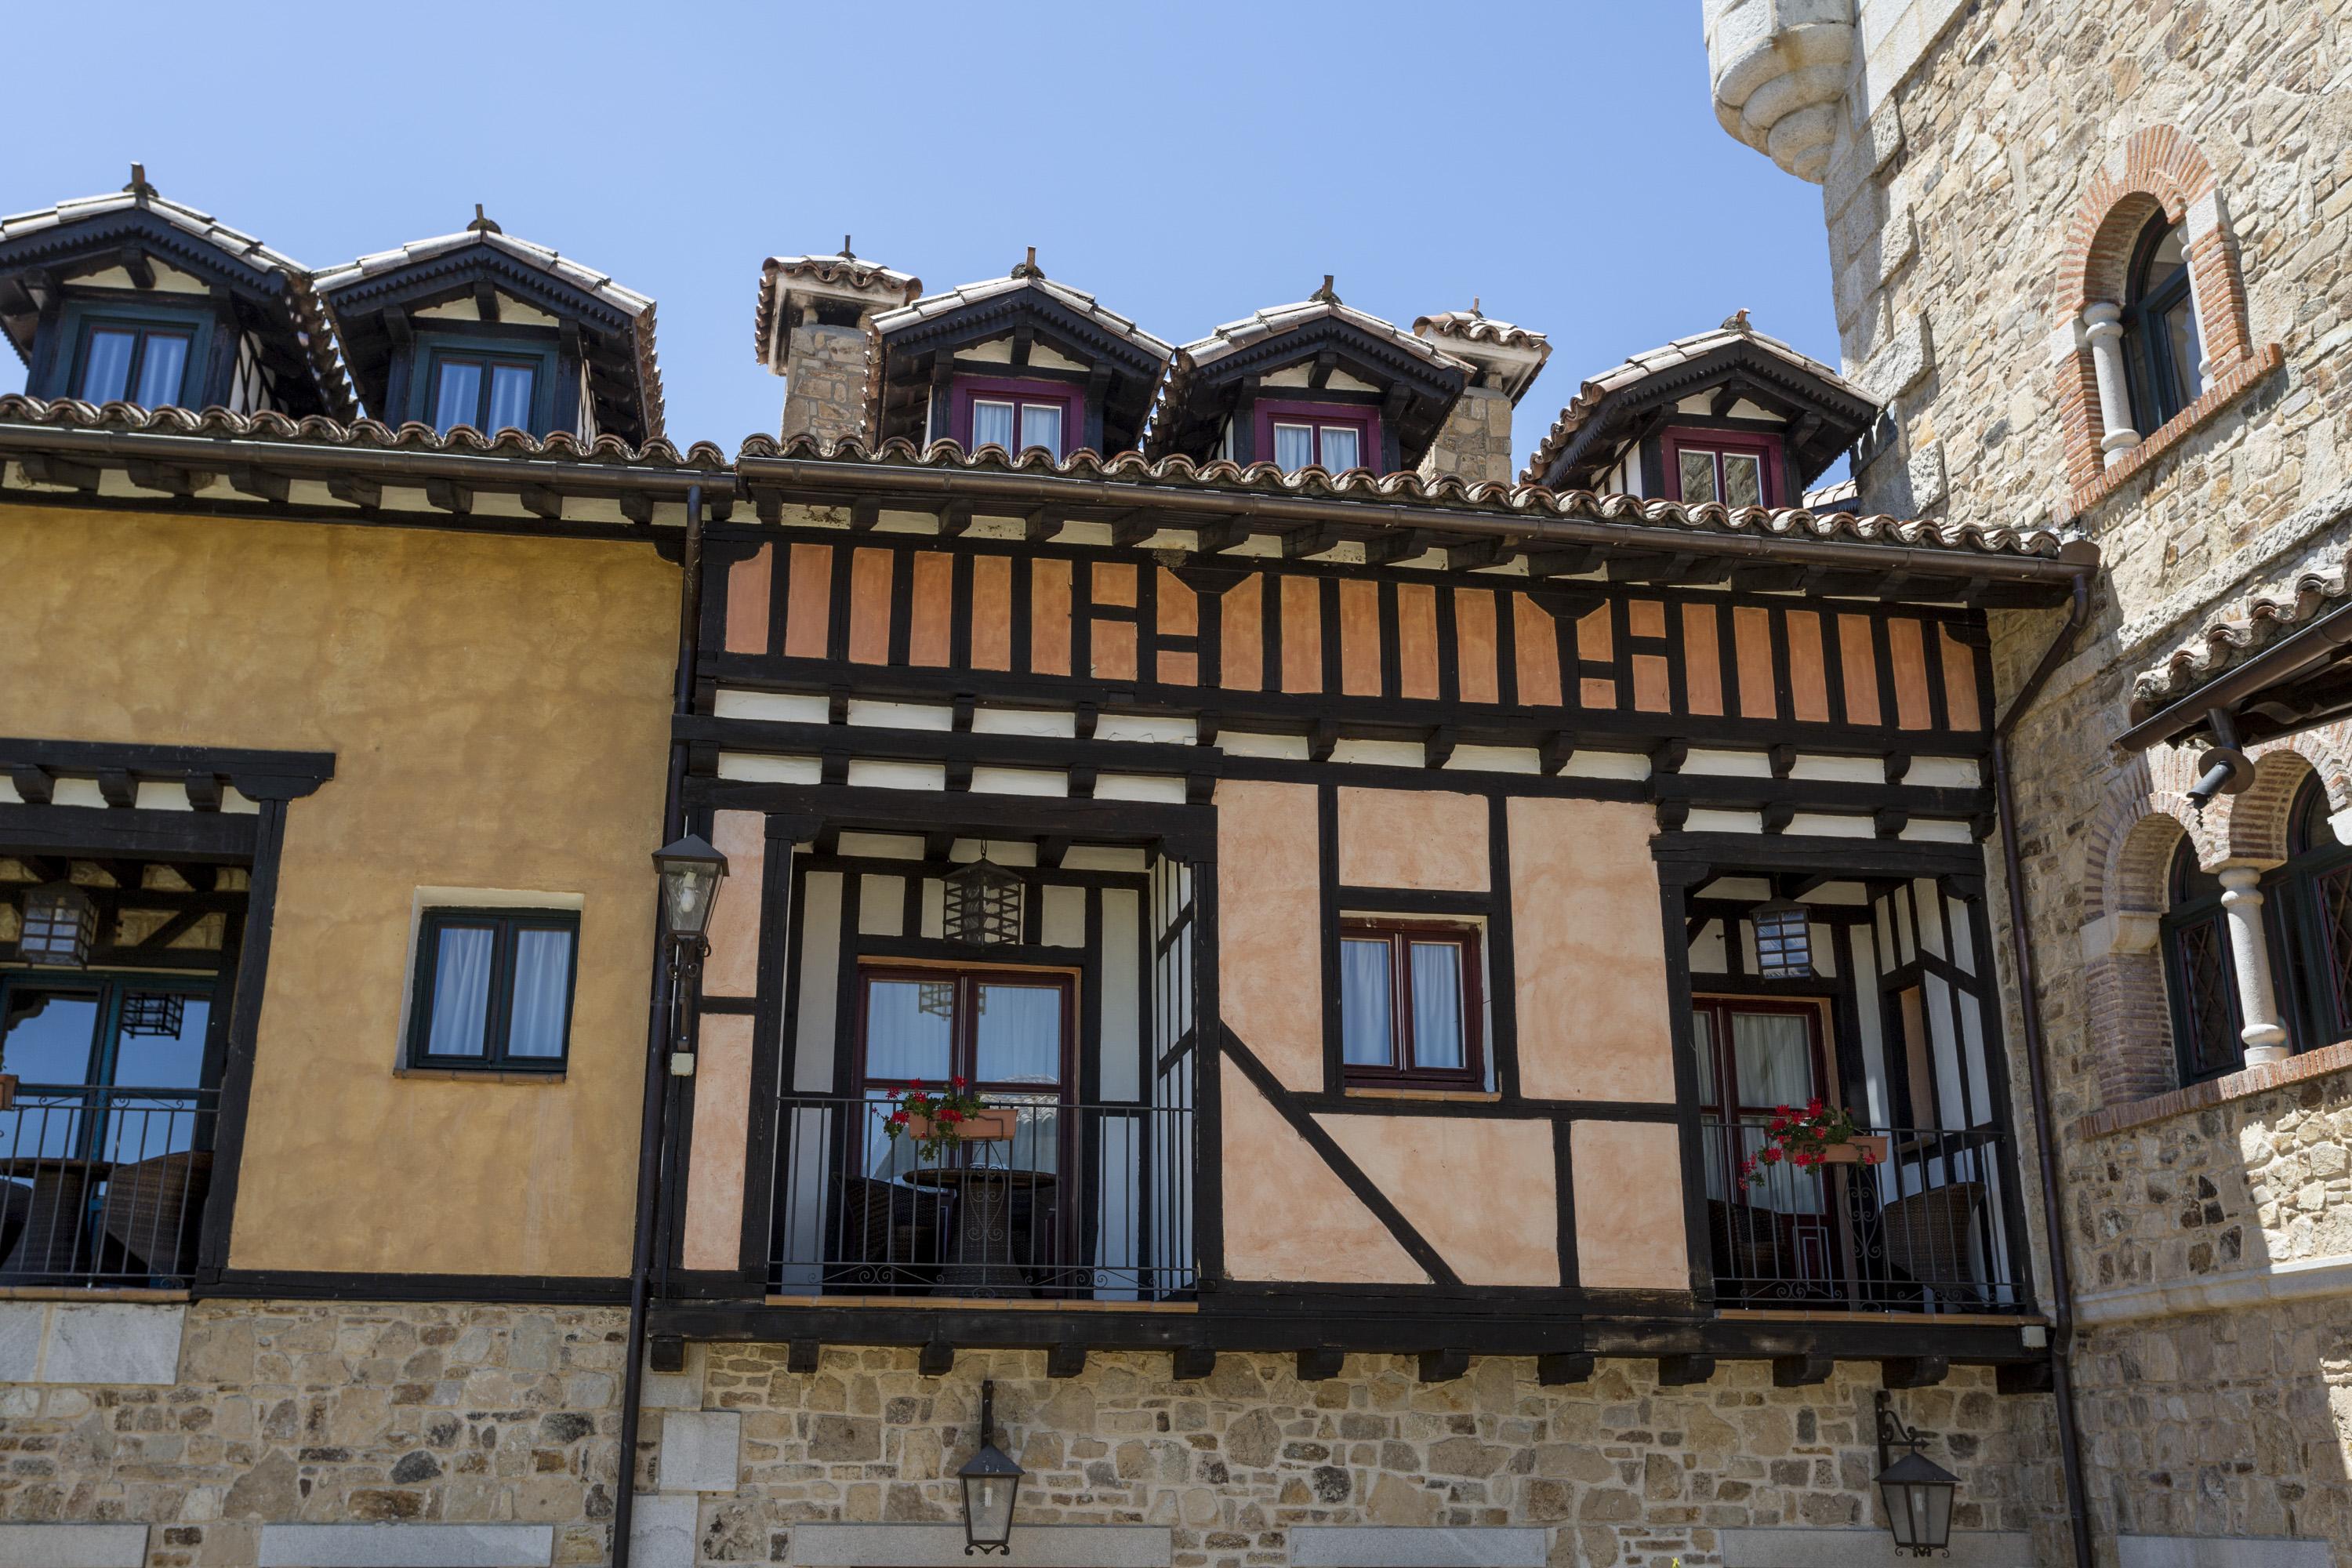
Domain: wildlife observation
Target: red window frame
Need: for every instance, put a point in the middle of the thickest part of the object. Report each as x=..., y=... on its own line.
x=1765, y=450
x=963, y=1032
x=1365, y=422
x=1403, y=1071
x=971, y=389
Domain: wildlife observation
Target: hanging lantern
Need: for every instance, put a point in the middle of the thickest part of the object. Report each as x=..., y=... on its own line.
x=160, y=1014
x=991, y=1481
x=60, y=923
x=983, y=904
x=1916, y=1491
x=1784, y=940
x=690, y=873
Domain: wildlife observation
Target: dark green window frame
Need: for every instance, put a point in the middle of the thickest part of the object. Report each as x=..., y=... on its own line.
x=2309, y=903
x=2199, y=972
x=506, y=926
x=433, y=351
x=83, y=318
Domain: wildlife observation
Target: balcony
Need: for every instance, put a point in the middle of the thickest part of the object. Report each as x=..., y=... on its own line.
x=1080, y=1203
x=1932, y=1229
x=103, y=1187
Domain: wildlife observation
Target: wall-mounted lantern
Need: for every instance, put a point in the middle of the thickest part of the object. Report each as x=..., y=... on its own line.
x=59, y=926
x=983, y=904
x=991, y=1480
x=691, y=871
x=1784, y=940
x=1916, y=1491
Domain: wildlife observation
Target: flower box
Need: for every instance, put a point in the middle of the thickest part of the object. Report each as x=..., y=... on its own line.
x=994, y=1124
x=1863, y=1148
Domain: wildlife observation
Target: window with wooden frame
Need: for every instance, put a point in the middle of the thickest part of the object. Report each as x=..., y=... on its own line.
x=2200, y=972
x=2161, y=350
x=2308, y=903
x=494, y=989
x=1718, y=466
x=1411, y=1005
x=1015, y=414
x=1000, y=1030
x=135, y=355
x=1335, y=436
x=488, y=392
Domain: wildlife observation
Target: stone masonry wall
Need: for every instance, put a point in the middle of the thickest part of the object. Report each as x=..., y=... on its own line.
x=333, y=1414
x=1475, y=442
x=825, y=389
x=1622, y=1470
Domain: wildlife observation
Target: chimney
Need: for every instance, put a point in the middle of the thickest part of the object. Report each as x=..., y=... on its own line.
x=1475, y=442
x=816, y=320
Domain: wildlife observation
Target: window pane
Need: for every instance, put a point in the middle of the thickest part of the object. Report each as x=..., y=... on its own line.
x=1437, y=1004
x=1364, y=1005
x=1018, y=1034
x=457, y=394
x=909, y=1025
x=1041, y=426
x=542, y=988
x=461, y=990
x=1294, y=446
x=106, y=372
x=1341, y=447
x=160, y=371
x=1743, y=479
x=1703, y=1042
x=1773, y=1055
x=992, y=422
x=2180, y=331
x=161, y=1055
x=50, y=1036
x=510, y=389
x=2209, y=989
x=1698, y=475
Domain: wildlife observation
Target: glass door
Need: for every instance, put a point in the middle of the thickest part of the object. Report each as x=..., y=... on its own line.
x=1757, y=1058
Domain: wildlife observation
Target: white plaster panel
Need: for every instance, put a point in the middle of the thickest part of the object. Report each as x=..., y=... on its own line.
x=901, y=715
x=871, y=772
x=1010, y=780
x=942, y=1546
x=1386, y=1546
x=1161, y=727
x=1382, y=753
x=120, y=1341
x=1605, y=765
x=702, y=1450
x=1495, y=760
x=74, y=1546
x=407, y=1545
x=1247, y=743
x=756, y=768
x=1798, y=1548
x=2211, y=1551
x=662, y=1530
x=780, y=707
x=1023, y=721
x=1139, y=786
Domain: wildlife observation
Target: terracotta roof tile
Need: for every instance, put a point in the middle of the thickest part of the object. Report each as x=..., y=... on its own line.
x=2243, y=628
x=1079, y=300
x=844, y=273
x=1511, y=356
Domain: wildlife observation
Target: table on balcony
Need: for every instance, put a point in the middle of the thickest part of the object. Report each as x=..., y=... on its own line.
x=56, y=1219
x=980, y=1260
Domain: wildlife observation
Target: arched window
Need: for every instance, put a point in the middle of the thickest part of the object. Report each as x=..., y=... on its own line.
x=2161, y=350
x=2313, y=900
x=2199, y=972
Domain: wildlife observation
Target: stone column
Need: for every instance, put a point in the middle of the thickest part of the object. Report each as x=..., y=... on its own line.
x=2103, y=324
x=2242, y=904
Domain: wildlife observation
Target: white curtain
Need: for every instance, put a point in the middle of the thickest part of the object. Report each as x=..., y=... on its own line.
x=992, y=422
x=1364, y=1004
x=542, y=989
x=1018, y=1034
x=1041, y=426
x=106, y=369
x=1294, y=446
x=161, y=372
x=510, y=389
x=905, y=1039
x=1775, y=1054
x=1342, y=447
x=461, y=990
x=1436, y=1004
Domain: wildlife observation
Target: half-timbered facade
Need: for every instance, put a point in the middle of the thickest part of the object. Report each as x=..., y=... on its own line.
x=1368, y=913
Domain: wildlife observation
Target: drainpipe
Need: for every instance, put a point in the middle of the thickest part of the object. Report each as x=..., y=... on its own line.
x=652, y=1150
x=2062, y=1292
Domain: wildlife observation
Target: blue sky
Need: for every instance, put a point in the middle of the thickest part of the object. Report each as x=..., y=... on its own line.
x=1185, y=163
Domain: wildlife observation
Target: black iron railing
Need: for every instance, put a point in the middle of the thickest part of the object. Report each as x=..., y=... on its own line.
x=1931, y=1228
x=103, y=1187
x=1077, y=1202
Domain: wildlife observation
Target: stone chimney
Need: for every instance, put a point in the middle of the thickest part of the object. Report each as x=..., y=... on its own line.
x=817, y=319
x=1476, y=440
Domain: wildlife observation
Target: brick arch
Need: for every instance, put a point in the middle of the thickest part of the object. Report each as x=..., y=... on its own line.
x=2146, y=808
x=2159, y=169
x=2256, y=826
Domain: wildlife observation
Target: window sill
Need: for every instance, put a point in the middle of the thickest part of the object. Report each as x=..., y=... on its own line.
x=2212, y=1092
x=1468, y=1096
x=2232, y=386
x=477, y=1075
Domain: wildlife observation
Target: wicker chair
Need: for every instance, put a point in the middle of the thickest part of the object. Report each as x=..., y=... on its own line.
x=153, y=1208
x=1927, y=1238
x=892, y=1229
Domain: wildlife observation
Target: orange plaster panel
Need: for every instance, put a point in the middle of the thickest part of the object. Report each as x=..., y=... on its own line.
x=1180, y=608
x=1962, y=707
x=992, y=612
x=1481, y=1191
x=1178, y=669
x=1859, y=660
x=1906, y=648
x=1645, y=619
x=933, y=609
x=1652, y=691
x=1114, y=584
x=1112, y=651
x=733, y=967
x=1588, y=951
x=1808, y=679
x=1592, y=639
x=1287, y=1214
x=1270, y=914
x=1049, y=617
x=1359, y=637
x=808, y=602
x=1475, y=654
x=1241, y=634
x=1752, y=626
x=722, y=1113
x=1417, y=639
x=1631, y=1232
x=1534, y=643
x=1427, y=839
x=1702, y=661
x=1302, y=634
x=747, y=601
x=869, y=607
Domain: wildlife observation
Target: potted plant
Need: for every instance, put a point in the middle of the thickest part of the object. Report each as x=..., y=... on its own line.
x=1809, y=1139
x=938, y=1123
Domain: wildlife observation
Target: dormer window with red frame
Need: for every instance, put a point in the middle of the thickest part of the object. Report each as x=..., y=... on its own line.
x=1718, y=466
x=1336, y=436
x=1016, y=415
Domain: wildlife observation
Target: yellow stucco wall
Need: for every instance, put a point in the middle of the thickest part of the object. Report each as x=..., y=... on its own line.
x=498, y=709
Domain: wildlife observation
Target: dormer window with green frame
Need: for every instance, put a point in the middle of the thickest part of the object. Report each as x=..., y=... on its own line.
x=489, y=388
x=131, y=354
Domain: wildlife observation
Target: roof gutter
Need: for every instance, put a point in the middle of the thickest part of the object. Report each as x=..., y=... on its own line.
x=822, y=476
x=2314, y=645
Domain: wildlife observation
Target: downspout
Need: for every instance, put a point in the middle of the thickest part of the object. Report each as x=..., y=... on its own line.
x=652, y=1152
x=2020, y=943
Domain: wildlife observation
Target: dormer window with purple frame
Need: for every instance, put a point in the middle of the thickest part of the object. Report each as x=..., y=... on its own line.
x=1015, y=414
x=1716, y=466
x=1335, y=436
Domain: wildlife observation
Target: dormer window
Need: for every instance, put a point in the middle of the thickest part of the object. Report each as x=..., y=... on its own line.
x=133, y=360
x=489, y=392
x=1712, y=466
x=1335, y=438
x=1015, y=414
